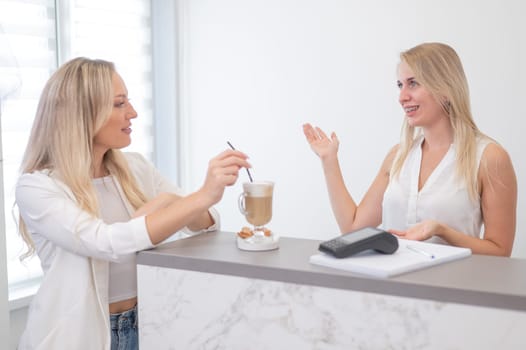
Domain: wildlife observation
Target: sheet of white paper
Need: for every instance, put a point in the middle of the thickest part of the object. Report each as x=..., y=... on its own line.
x=410, y=256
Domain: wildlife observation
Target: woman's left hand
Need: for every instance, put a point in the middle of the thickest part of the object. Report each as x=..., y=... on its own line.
x=161, y=201
x=419, y=232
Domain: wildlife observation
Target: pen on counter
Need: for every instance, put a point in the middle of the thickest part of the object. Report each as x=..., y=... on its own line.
x=248, y=172
x=420, y=251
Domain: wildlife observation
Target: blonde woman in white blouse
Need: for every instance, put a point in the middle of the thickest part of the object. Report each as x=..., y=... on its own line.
x=445, y=181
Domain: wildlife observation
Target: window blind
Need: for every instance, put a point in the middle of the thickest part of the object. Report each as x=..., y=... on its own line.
x=42, y=34
x=28, y=56
x=119, y=31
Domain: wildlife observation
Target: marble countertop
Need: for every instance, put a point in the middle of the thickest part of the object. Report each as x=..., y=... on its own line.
x=478, y=280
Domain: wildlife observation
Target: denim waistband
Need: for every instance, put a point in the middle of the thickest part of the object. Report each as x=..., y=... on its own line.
x=124, y=319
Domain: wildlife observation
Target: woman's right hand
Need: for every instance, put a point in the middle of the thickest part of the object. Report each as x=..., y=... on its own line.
x=320, y=143
x=223, y=170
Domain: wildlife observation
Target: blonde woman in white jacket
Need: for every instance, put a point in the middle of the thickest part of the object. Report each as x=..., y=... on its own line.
x=86, y=208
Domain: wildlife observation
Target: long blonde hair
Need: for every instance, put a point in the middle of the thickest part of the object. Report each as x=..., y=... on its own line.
x=438, y=68
x=75, y=103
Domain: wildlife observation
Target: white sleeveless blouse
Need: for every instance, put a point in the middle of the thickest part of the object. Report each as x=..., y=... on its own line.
x=442, y=198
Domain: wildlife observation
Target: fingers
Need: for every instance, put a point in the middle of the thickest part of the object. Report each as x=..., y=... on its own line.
x=231, y=160
x=416, y=233
x=226, y=175
x=230, y=153
x=314, y=134
x=397, y=232
x=223, y=170
x=321, y=134
x=309, y=132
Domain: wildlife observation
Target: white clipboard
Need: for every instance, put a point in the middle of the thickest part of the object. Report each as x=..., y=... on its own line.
x=410, y=256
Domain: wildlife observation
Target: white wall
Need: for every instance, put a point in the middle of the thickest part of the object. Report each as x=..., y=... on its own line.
x=4, y=303
x=254, y=71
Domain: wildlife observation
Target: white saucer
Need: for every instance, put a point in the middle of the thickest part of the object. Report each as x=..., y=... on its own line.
x=257, y=243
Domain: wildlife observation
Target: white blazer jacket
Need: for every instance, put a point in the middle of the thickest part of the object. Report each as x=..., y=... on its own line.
x=71, y=310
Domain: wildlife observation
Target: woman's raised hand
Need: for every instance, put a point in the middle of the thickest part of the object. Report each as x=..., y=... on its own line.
x=223, y=170
x=320, y=143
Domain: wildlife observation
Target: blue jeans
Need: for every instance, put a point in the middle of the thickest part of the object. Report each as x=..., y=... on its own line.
x=124, y=330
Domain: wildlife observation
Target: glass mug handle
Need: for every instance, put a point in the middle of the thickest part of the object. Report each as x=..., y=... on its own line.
x=241, y=203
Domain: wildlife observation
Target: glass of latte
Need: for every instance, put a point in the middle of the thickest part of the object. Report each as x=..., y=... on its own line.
x=255, y=203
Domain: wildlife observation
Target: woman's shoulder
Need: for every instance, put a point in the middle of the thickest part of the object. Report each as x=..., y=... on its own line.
x=389, y=159
x=393, y=150
x=42, y=177
x=142, y=169
x=134, y=157
x=489, y=149
x=495, y=161
x=493, y=152
x=137, y=162
x=42, y=181
x=149, y=178
x=496, y=171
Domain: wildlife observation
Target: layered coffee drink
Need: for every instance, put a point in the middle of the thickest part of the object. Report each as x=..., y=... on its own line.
x=258, y=210
x=256, y=203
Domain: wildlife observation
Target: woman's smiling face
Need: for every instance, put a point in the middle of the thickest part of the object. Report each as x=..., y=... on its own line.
x=420, y=106
x=116, y=132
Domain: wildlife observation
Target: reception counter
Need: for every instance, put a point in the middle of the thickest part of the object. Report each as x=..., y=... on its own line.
x=204, y=293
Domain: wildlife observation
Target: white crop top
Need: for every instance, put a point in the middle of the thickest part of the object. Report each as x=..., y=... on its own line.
x=443, y=198
x=123, y=275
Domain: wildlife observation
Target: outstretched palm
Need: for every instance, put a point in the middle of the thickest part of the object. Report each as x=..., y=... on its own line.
x=320, y=143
